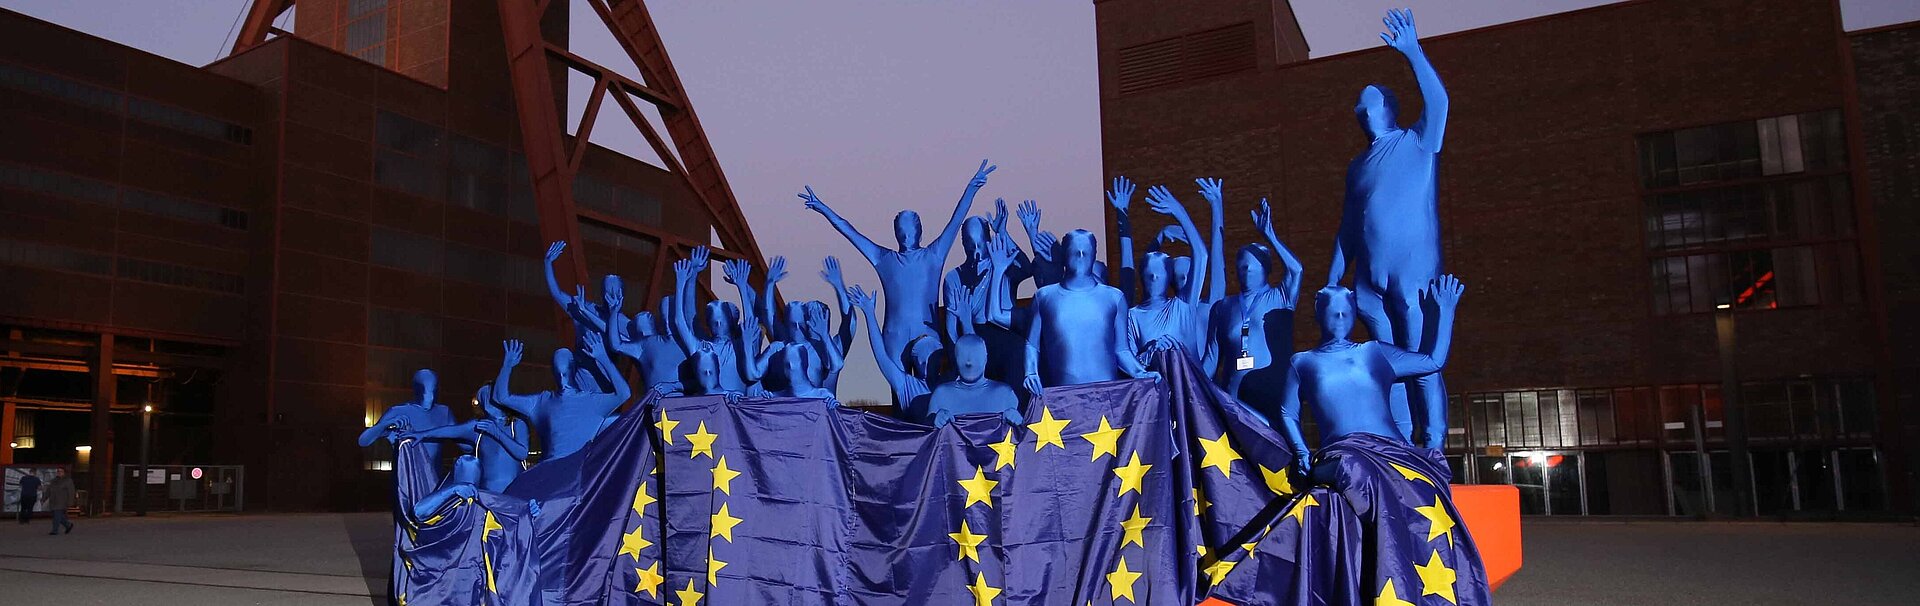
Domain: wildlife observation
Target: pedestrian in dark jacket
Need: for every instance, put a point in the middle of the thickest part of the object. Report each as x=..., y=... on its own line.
x=29, y=495
x=59, y=498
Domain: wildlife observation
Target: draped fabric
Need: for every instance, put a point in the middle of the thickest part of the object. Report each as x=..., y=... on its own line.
x=468, y=551
x=1125, y=492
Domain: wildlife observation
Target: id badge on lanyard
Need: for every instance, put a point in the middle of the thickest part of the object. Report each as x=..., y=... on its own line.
x=1245, y=361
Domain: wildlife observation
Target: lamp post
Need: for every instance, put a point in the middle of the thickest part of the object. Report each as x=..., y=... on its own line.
x=146, y=428
x=1735, y=415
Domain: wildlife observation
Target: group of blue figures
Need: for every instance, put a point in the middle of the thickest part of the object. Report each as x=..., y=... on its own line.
x=951, y=341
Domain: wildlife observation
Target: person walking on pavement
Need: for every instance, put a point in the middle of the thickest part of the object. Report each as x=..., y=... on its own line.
x=59, y=497
x=29, y=495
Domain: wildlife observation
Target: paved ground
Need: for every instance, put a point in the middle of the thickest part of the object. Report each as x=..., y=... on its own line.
x=342, y=559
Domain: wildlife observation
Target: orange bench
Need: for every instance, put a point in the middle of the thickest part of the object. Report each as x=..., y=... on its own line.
x=1492, y=513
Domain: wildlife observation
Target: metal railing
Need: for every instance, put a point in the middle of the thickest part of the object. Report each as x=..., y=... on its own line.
x=179, y=488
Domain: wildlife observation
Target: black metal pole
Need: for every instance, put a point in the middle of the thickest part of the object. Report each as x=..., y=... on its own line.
x=140, y=483
x=1735, y=416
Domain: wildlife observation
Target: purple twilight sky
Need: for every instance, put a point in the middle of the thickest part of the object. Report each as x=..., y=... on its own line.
x=878, y=104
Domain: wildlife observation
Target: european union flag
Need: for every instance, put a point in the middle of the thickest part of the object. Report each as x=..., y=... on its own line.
x=1127, y=492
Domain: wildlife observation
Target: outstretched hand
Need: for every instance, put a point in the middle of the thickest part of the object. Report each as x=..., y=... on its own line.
x=1162, y=201
x=1000, y=253
x=699, y=256
x=813, y=201
x=554, y=250
x=1173, y=233
x=513, y=348
x=1029, y=215
x=1400, y=33
x=859, y=298
x=1263, y=218
x=830, y=271
x=749, y=325
x=980, y=176
x=777, y=270
x=614, y=298
x=1210, y=189
x=590, y=344
x=999, y=222
x=580, y=297
x=736, y=271
x=684, y=270
x=1446, y=290
x=1120, y=195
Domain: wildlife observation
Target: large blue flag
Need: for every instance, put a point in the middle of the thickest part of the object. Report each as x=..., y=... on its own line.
x=1127, y=492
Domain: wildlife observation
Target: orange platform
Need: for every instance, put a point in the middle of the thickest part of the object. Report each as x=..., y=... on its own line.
x=1492, y=513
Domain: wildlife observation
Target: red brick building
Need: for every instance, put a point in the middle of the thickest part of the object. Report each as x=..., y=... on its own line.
x=266, y=247
x=1675, y=218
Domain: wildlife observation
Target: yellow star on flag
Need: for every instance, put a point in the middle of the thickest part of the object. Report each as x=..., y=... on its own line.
x=1046, y=430
x=665, y=425
x=713, y=567
x=632, y=542
x=1436, y=578
x=1299, y=513
x=1218, y=571
x=1219, y=454
x=702, y=442
x=1131, y=474
x=983, y=594
x=1105, y=439
x=723, y=477
x=486, y=558
x=1389, y=596
x=641, y=500
x=979, y=488
x=1411, y=474
x=1200, y=550
x=1200, y=503
x=1277, y=480
x=1003, y=451
x=689, y=596
x=403, y=599
x=1133, y=527
x=1121, y=581
x=969, y=542
x=723, y=524
x=488, y=526
x=1249, y=546
x=650, y=580
x=1438, y=522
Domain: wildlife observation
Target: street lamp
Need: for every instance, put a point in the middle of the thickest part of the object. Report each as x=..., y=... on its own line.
x=146, y=428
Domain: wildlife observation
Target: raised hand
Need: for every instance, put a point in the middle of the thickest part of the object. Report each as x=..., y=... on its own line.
x=859, y=298
x=554, y=250
x=960, y=305
x=1000, y=253
x=816, y=324
x=1047, y=241
x=590, y=344
x=749, y=325
x=614, y=298
x=776, y=271
x=1161, y=201
x=1029, y=215
x=1446, y=290
x=1210, y=189
x=513, y=348
x=699, y=256
x=980, y=176
x=736, y=271
x=813, y=201
x=1263, y=218
x=684, y=270
x=1173, y=233
x=1120, y=196
x=1400, y=33
x=830, y=271
x=999, y=222
x=580, y=297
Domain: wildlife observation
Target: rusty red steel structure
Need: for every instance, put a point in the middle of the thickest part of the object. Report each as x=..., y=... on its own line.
x=554, y=160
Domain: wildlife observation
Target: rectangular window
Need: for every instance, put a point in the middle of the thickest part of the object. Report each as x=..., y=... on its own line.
x=367, y=30
x=1754, y=214
x=49, y=256
x=188, y=121
x=57, y=184
x=180, y=275
x=403, y=329
x=49, y=85
x=183, y=209
x=403, y=250
x=478, y=176
x=1186, y=58
x=411, y=156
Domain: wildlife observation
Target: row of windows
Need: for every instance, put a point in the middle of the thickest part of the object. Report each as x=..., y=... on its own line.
x=624, y=202
x=101, y=192
x=426, y=161
x=619, y=239
x=1800, y=409
x=1818, y=208
x=144, y=110
x=367, y=30
x=430, y=256
x=404, y=329
x=1780, y=145
x=1794, y=276
x=48, y=256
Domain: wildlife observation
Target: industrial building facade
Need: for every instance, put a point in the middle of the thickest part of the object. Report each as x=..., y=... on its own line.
x=1684, y=226
x=265, y=248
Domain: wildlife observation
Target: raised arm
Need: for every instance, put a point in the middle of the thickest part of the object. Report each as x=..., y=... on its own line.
x=738, y=273
x=860, y=242
x=1290, y=417
x=830, y=271
x=379, y=428
x=1022, y=267
x=1445, y=292
x=456, y=431
x=776, y=271
x=1119, y=197
x=830, y=353
x=1216, y=244
x=1400, y=35
x=594, y=346
x=553, y=283
x=1042, y=250
x=684, y=271
x=753, y=359
x=1289, y=281
x=944, y=243
x=520, y=405
x=1000, y=255
x=1162, y=202
x=890, y=368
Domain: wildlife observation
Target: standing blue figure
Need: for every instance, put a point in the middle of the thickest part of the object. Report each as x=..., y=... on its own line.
x=718, y=343
x=830, y=273
x=1390, y=224
x=1249, y=329
x=565, y=419
x=970, y=392
x=499, y=440
x=910, y=275
x=1049, y=265
x=791, y=360
x=1079, y=329
x=1160, y=321
x=1349, y=383
x=987, y=279
x=653, y=350
x=421, y=412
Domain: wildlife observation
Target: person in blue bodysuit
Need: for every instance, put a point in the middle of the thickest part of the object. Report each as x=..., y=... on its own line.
x=721, y=319
x=653, y=350
x=1390, y=225
x=499, y=440
x=989, y=283
x=1078, y=333
x=421, y=412
x=968, y=393
x=1348, y=383
x=1160, y=321
x=791, y=360
x=565, y=419
x=911, y=274
x=1250, y=329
